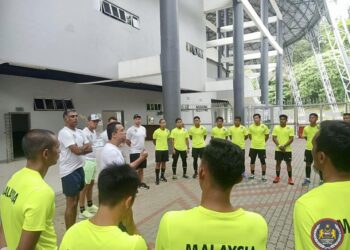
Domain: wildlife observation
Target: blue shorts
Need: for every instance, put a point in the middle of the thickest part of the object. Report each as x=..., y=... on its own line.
x=73, y=183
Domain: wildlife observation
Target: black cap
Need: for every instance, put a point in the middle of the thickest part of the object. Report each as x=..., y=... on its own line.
x=137, y=116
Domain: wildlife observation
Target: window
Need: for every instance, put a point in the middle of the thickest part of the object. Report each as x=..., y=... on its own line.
x=39, y=104
x=59, y=104
x=46, y=104
x=120, y=14
x=49, y=104
x=107, y=8
x=152, y=107
x=68, y=104
x=115, y=12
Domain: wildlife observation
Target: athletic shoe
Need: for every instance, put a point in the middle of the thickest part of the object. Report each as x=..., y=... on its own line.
x=263, y=178
x=185, y=176
x=144, y=185
x=321, y=182
x=290, y=181
x=277, y=179
x=251, y=177
x=93, y=209
x=195, y=175
x=162, y=178
x=306, y=182
x=174, y=177
x=85, y=215
x=157, y=181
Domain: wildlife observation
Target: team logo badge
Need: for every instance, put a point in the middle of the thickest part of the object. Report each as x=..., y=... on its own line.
x=327, y=234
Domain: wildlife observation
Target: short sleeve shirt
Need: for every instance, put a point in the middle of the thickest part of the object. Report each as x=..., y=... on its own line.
x=111, y=154
x=28, y=203
x=69, y=161
x=179, y=136
x=258, y=134
x=283, y=134
x=198, y=135
x=221, y=133
x=238, y=135
x=137, y=137
x=161, y=137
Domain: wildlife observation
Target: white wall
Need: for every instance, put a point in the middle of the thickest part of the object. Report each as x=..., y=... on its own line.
x=20, y=91
x=74, y=36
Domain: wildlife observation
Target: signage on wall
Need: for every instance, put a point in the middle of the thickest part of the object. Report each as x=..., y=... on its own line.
x=194, y=50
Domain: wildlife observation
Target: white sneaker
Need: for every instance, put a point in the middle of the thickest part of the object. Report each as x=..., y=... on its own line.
x=93, y=209
x=85, y=215
x=263, y=178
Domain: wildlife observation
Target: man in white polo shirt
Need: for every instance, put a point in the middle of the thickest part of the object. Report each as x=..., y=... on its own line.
x=73, y=145
x=135, y=139
x=111, y=153
x=89, y=168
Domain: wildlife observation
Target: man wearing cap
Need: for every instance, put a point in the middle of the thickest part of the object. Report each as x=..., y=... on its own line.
x=135, y=139
x=89, y=168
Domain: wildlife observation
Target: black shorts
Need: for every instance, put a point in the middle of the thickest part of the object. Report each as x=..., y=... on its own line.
x=162, y=155
x=308, y=157
x=261, y=153
x=197, y=152
x=134, y=157
x=73, y=183
x=283, y=156
x=243, y=155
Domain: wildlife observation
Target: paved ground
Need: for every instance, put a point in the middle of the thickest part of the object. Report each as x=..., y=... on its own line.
x=274, y=201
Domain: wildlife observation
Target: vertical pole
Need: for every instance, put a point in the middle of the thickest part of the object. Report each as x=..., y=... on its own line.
x=279, y=65
x=264, y=76
x=170, y=60
x=238, y=61
x=219, y=48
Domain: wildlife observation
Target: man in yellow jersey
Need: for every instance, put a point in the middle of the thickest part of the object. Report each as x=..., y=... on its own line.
x=346, y=117
x=27, y=204
x=258, y=134
x=282, y=136
x=117, y=188
x=160, y=140
x=215, y=224
x=238, y=134
x=219, y=131
x=198, y=134
x=321, y=216
x=179, y=136
x=308, y=134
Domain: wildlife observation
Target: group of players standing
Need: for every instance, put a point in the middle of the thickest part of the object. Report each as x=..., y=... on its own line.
x=258, y=133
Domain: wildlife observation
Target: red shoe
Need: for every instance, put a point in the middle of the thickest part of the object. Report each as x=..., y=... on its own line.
x=290, y=181
x=277, y=179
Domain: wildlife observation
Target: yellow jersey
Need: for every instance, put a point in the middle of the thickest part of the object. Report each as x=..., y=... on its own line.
x=28, y=203
x=258, y=134
x=88, y=236
x=198, y=135
x=238, y=135
x=309, y=133
x=179, y=136
x=221, y=133
x=283, y=134
x=161, y=136
x=201, y=228
x=322, y=218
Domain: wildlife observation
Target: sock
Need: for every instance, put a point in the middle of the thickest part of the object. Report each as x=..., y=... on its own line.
x=252, y=172
x=290, y=174
x=174, y=170
x=157, y=173
x=263, y=172
x=82, y=209
x=185, y=170
x=163, y=171
x=89, y=203
x=278, y=173
x=308, y=172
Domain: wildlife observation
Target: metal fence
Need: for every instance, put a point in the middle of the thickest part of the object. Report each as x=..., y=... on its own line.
x=297, y=116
